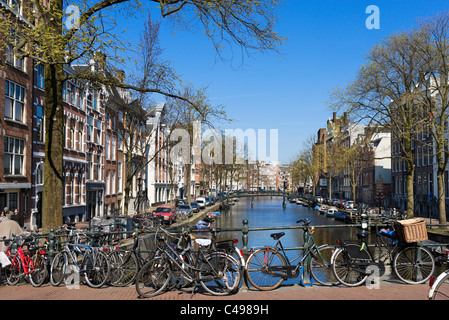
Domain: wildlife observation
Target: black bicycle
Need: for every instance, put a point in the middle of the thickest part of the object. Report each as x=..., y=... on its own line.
x=178, y=264
x=354, y=261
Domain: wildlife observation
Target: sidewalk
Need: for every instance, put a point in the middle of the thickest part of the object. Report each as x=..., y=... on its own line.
x=386, y=291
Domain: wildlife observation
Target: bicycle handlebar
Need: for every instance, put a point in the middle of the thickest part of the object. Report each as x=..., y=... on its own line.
x=305, y=222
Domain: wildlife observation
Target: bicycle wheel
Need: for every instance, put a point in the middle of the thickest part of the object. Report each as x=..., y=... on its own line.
x=124, y=268
x=320, y=266
x=97, y=269
x=58, y=268
x=220, y=274
x=441, y=291
x=414, y=264
x=153, y=277
x=345, y=268
x=39, y=271
x=147, y=223
x=257, y=267
x=13, y=271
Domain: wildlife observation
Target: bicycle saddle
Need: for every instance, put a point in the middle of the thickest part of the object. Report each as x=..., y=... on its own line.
x=277, y=236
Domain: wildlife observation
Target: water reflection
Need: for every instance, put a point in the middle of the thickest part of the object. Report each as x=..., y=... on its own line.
x=268, y=212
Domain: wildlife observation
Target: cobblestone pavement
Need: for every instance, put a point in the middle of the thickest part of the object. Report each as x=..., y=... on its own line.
x=385, y=291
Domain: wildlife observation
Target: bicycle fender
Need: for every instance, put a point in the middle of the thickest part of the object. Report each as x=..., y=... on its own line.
x=435, y=283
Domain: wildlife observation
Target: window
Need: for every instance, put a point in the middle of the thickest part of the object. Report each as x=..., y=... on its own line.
x=40, y=174
x=11, y=58
x=72, y=92
x=94, y=105
x=119, y=177
x=107, y=147
x=64, y=91
x=40, y=123
x=14, y=101
x=97, y=175
x=89, y=130
x=81, y=98
x=112, y=148
x=98, y=131
x=80, y=136
x=16, y=6
x=71, y=136
x=13, y=201
x=80, y=186
x=14, y=156
x=40, y=70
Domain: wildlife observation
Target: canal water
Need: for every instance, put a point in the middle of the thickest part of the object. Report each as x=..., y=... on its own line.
x=268, y=212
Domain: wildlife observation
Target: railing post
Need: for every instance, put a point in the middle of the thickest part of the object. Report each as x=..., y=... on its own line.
x=245, y=239
x=51, y=238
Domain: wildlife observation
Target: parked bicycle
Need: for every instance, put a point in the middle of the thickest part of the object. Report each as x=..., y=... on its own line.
x=28, y=261
x=439, y=286
x=267, y=267
x=176, y=263
x=354, y=261
x=147, y=220
x=79, y=259
x=128, y=261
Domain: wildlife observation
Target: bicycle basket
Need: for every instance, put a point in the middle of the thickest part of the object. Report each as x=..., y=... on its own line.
x=411, y=230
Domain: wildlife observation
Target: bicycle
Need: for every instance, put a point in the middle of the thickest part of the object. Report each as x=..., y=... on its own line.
x=216, y=271
x=128, y=263
x=439, y=286
x=29, y=263
x=353, y=262
x=267, y=267
x=147, y=220
x=94, y=263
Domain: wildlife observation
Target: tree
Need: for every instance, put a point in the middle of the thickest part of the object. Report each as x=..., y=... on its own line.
x=356, y=159
x=384, y=94
x=58, y=36
x=433, y=47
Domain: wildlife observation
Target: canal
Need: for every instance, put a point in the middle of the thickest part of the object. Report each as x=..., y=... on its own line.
x=268, y=212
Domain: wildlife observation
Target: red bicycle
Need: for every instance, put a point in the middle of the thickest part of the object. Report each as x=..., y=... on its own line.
x=28, y=261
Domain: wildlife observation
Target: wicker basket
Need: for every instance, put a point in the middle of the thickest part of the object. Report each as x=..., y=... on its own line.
x=411, y=230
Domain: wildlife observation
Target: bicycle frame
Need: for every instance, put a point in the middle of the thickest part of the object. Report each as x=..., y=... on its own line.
x=177, y=259
x=292, y=271
x=75, y=252
x=377, y=261
x=27, y=262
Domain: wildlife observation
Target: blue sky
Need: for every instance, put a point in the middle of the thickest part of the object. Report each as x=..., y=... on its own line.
x=327, y=41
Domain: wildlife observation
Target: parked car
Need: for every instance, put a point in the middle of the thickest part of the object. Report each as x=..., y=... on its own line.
x=195, y=207
x=349, y=205
x=186, y=209
x=166, y=214
x=201, y=202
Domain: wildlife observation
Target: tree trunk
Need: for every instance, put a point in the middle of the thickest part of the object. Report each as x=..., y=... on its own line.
x=410, y=197
x=441, y=197
x=53, y=192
